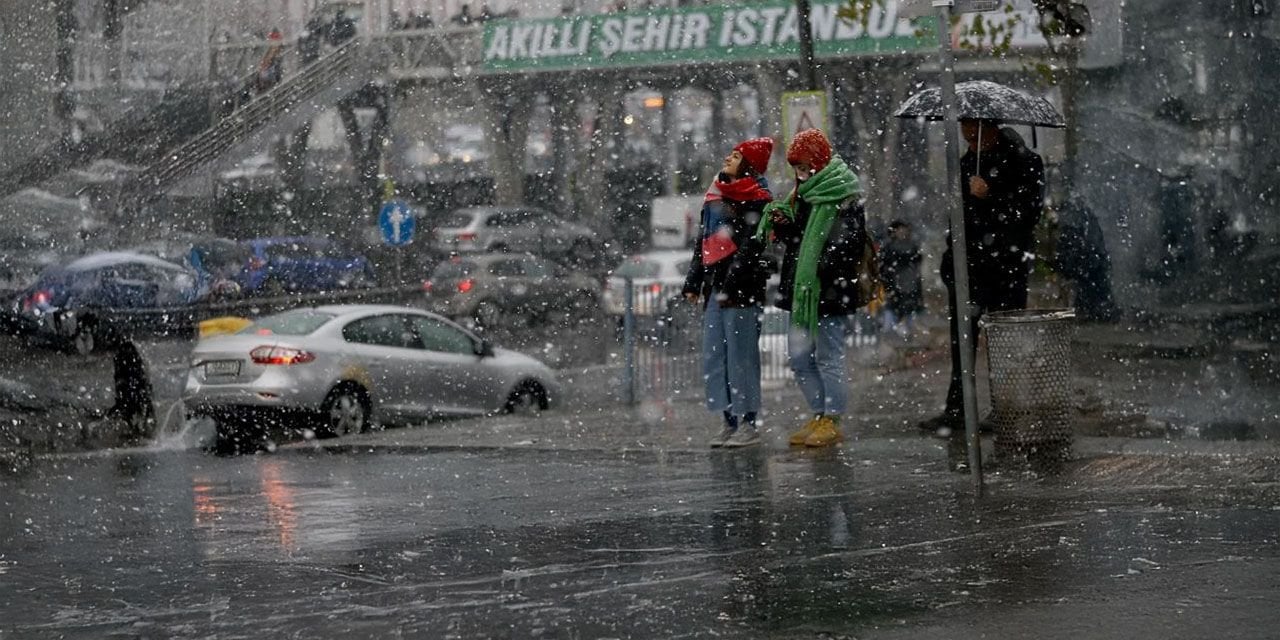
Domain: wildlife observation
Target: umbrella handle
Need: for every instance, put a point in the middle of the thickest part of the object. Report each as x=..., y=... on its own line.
x=978, y=170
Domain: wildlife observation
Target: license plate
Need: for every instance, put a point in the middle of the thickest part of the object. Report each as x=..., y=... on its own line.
x=222, y=368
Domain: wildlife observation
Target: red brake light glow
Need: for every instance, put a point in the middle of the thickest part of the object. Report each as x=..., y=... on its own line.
x=467, y=237
x=428, y=285
x=41, y=297
x=280, y=355
x=466, y=286
x=655, y=288
x=257, y=263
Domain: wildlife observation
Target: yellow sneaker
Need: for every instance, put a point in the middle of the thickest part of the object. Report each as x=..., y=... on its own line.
x=824, y=434
x=797, y=439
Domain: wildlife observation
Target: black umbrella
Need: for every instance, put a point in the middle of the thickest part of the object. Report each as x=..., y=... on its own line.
x=983, y=100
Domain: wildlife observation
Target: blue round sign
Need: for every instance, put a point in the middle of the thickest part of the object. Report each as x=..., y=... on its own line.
x=397, y=222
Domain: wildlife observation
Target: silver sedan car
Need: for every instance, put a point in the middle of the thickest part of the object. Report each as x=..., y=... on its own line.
x=349, y=363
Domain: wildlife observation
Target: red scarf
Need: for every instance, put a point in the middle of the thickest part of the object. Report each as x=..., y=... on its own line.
x=745, y=189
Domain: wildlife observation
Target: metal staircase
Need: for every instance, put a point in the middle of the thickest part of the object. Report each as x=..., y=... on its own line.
x=293, y=101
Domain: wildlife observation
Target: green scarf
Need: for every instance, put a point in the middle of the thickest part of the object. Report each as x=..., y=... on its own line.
x=834, y=184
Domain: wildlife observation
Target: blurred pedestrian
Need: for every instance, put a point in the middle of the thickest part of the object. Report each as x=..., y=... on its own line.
x=341, y=29
x=311, y=39
x=271, y=68
x=1082, y=257
x=900, y=271
x=464, y=17
x=727, y=275
x=1002, y=184
x=828, y=251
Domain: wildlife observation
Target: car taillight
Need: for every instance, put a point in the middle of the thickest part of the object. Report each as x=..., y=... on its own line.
x=41, y=297
x=655, y=288
x=467, y=237
x=466, y=286
x=280, y=355
x=428, y=285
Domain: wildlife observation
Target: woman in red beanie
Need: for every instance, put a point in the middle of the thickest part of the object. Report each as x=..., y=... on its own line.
x=728, y=277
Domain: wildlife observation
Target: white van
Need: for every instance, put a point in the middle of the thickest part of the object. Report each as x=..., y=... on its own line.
x=674, y=220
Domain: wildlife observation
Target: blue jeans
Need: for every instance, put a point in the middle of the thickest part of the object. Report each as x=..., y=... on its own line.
x=731, y=357
x=818, y=362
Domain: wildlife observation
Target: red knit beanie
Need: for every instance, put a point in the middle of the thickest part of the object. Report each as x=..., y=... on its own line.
x=755, y=152
x=810, y=146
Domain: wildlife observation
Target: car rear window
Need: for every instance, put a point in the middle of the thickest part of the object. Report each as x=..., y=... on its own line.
x=454, y=269
x=298, y=250
x=457, y=220
x=290, y=323
x=638, y=268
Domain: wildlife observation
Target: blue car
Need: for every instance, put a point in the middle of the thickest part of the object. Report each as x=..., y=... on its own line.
x=95, y=299
x=302, y=264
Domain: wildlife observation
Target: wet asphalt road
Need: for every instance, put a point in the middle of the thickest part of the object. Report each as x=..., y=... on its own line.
x=879, y=542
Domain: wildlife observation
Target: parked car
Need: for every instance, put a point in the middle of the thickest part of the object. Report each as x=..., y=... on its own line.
x=95, y=299
x=349, y=364
x=499, y=289
x=299, y=264
x=657, y=277
x=221, y=261
x=515, y=229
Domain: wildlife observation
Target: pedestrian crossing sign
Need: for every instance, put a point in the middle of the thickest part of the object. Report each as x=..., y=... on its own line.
x=803, y=110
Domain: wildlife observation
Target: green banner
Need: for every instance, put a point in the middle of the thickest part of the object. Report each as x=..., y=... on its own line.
x=720, y=33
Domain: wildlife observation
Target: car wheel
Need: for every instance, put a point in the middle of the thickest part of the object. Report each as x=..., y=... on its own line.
x=85, y=340
x=345, y=411
x=488, y=315
x=528, y=399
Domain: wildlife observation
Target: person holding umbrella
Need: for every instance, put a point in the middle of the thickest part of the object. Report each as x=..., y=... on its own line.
x=823, y=229
x=1002, y=187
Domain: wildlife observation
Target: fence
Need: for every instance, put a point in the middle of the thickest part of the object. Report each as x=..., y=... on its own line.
x=661, y=337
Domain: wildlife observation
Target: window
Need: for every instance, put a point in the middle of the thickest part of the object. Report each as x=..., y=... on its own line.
x=297, y=251
x=290, y=323
x=507, y=269
x=458, y=220
x=511, y=218
x=438, y=336
x=454, y=269
x=382, y=331
x=535, y=268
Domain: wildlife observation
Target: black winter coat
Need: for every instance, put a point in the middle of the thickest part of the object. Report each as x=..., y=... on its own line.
x=838, y=266
x=739, y=278
x=999, y=228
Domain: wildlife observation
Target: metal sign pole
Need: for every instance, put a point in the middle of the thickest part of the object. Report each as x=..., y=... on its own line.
x=959, y=250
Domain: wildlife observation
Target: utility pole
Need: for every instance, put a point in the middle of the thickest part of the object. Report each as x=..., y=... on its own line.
x=807, y=66
x=959, y=246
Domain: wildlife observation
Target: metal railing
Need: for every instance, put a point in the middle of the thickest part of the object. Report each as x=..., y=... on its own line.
x=346, y=61
x=661, y=336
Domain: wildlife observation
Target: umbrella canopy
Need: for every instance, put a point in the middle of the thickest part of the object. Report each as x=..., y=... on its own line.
x=984, y=100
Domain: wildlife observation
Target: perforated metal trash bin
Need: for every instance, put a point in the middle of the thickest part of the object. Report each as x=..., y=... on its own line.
x=1029, y=364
